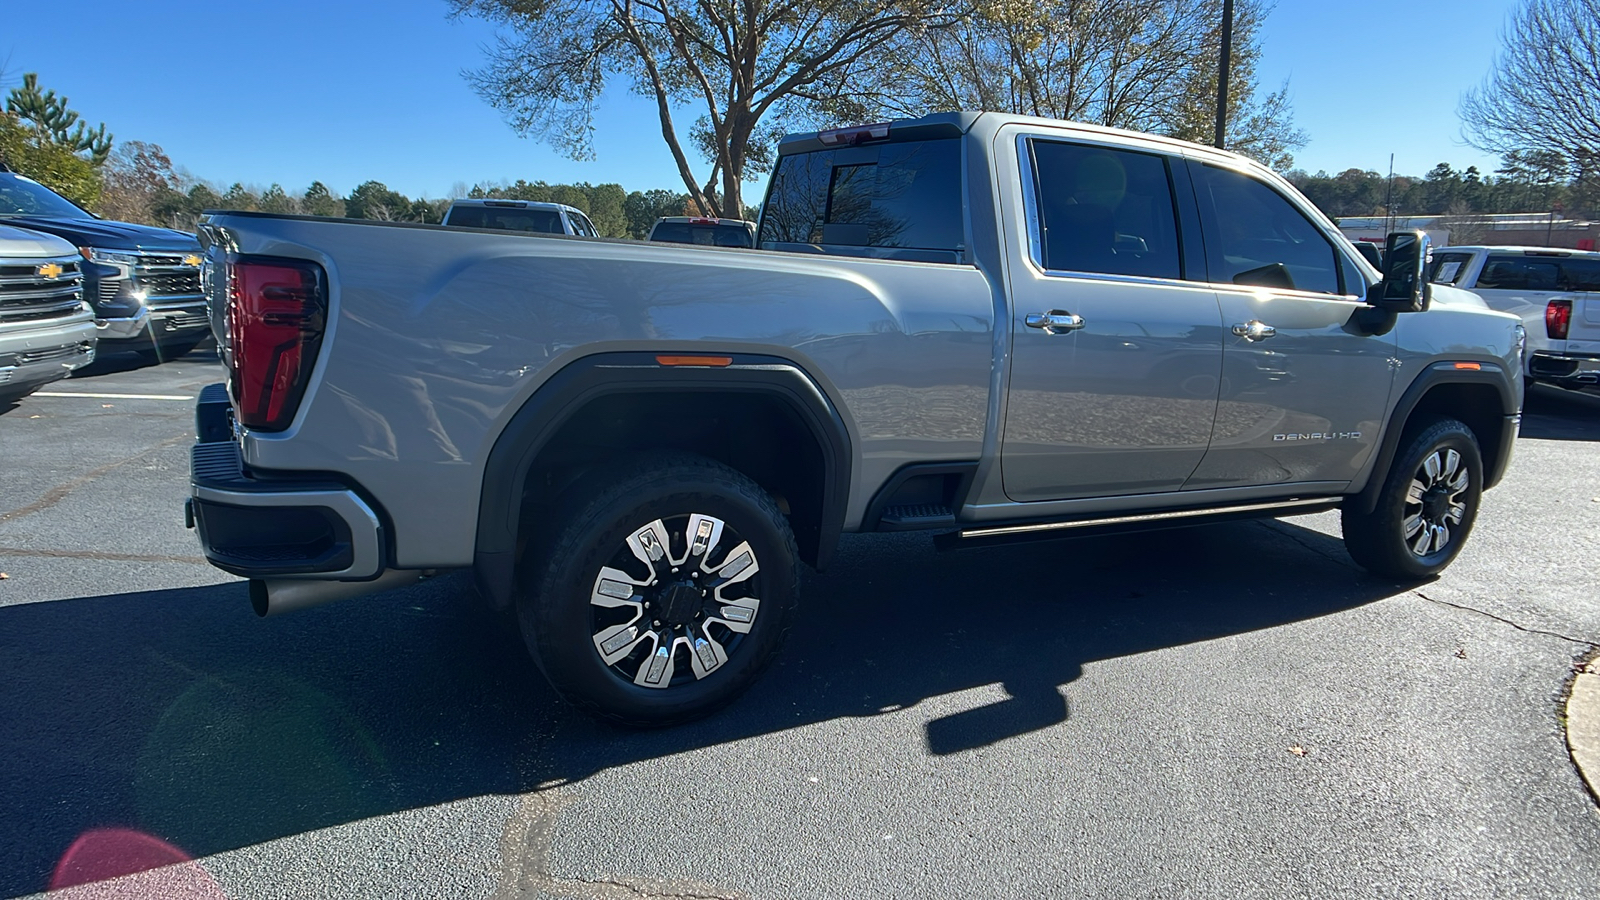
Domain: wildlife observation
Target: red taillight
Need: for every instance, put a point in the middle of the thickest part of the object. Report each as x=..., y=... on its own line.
x=1557, y=319
x=276, y=310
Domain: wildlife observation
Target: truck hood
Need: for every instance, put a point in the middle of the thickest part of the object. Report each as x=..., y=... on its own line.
x=109, y=235
x=16, y=243
x=1445, y=295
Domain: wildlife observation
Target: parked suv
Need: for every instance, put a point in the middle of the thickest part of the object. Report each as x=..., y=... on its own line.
x=1557, y=294
x=46, y=330
x=520, y=215
x=143, y=282
x=987, y=327
x=705, y=231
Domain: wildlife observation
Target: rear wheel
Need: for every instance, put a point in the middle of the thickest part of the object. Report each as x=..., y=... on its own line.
x=1425, y=509
x=665, y=591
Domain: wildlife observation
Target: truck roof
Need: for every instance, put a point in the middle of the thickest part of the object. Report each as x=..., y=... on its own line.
x=513, y=204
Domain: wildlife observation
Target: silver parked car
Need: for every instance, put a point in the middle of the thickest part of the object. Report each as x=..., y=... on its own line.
x=46, y=328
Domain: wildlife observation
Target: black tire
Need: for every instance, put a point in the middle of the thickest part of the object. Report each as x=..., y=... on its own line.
x=1442, y=520
x=564, y=607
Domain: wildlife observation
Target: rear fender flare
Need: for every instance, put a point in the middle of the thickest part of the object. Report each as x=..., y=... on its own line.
x=578, y=383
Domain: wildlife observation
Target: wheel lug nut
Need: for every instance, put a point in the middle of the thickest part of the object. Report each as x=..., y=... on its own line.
x=656, y=622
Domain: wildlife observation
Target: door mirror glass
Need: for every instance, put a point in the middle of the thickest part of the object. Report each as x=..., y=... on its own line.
x=1405, y=286
x=1369, y=252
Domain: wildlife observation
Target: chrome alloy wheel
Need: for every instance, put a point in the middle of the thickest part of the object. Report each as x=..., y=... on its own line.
x=673, y=604
x=1434, y=503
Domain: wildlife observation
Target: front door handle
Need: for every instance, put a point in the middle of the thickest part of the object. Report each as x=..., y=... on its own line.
x=1054, y=322
x=1254, y=330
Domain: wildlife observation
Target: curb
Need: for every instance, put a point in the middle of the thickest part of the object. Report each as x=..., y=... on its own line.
x=1583, y=724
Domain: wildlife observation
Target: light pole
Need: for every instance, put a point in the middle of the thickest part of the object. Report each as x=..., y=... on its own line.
x=1222, y=73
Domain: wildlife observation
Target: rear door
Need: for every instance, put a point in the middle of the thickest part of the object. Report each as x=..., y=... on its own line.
x=1116, y=346
x=1303, y=387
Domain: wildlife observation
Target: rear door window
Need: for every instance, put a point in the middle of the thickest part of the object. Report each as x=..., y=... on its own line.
x=1519, y=273
x=893, y=201
x=1105, y=211
x=705, y=235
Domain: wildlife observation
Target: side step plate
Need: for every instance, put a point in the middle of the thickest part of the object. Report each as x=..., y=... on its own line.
x=987, y=536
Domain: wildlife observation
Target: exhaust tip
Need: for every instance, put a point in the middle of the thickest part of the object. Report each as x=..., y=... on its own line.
x=258, y=597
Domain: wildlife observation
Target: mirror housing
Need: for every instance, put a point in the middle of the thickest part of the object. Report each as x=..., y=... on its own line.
x=1405, y=286
x=1369, y=252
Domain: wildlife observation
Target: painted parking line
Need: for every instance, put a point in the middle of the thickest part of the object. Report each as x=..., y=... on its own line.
x=115, y=396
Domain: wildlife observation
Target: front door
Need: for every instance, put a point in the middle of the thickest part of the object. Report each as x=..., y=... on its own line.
x=1115, y=360
x=1305, y=382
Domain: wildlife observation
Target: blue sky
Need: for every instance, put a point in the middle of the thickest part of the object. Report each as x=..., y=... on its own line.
x=294, y=91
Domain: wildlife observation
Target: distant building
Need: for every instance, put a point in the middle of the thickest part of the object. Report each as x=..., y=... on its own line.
x=1496, y=229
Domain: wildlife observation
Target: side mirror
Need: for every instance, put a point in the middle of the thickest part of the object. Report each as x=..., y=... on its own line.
x=1369, y=252
x=1405, y=286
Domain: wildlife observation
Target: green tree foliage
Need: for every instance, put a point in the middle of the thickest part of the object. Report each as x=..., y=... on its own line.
x=48, y=163
x=602, y=203
x=374, y=200
x=319, y=201
x=55, y=122
x=241, y=198
x=643, y=208
x=275, y=200
x=742, y=70
x=1525, y=183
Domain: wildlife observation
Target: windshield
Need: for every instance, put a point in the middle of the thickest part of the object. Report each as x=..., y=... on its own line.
x=544, y=221
x=704, y=235
x=21, y=196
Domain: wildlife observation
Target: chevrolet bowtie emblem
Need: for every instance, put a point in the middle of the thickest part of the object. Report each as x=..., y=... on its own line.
x=49, y=270
x=191, y=260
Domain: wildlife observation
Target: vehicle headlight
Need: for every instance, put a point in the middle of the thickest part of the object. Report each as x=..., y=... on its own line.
x=119, y=258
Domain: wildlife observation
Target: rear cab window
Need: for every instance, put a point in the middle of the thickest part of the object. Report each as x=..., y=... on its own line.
x=501, y=218
x=704, y=235
x=897, y=200
x=1449, y=268
x=1104, y=211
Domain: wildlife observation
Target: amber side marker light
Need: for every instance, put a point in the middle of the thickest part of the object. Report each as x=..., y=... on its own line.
x=1471, y=367
x=695, y=360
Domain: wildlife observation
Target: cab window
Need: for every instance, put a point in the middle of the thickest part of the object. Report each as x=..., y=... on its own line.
x=1255, y=236
x=1519, y=273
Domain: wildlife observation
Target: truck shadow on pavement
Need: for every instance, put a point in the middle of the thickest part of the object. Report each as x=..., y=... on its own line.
x=1553, y=414
x=180, y=715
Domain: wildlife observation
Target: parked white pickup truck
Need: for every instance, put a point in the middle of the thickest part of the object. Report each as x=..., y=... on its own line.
x=46, y=330
x=1557, y=294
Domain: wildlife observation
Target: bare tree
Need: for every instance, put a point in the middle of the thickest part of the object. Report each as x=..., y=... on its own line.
x=748, y=68
x=1543, y=94
x=1145, y=65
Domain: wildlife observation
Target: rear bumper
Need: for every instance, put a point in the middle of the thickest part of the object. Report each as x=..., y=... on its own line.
x=1564, y=368
x=261, y=527
x=44, y=354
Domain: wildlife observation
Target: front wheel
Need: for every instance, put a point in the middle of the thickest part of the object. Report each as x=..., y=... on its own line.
x=1425, y=509
x=665, y=591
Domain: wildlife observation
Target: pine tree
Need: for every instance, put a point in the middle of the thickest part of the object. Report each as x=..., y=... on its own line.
x=55, y=122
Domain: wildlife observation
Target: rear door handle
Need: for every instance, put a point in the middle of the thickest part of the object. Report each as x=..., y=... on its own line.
x=1054, y=322
x=1254, y=330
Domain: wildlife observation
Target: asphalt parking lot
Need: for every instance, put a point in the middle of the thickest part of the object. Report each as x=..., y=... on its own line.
x=1233, y=711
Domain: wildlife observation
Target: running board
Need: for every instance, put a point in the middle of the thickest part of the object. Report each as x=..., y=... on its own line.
x=1179, y=518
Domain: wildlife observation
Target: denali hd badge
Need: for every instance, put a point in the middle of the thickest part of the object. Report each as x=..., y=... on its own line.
x=1320, y=436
